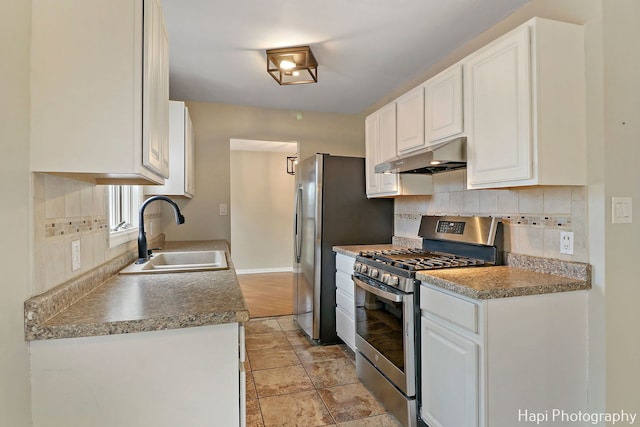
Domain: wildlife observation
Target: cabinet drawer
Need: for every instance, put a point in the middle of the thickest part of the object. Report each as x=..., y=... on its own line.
x=344, y=282
x=456, y=310
x=344, y=263
x=346, y=328
x=345, y=302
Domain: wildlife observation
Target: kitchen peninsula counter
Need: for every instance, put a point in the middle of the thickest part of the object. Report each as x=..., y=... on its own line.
x=522, y=275
x=123, y=304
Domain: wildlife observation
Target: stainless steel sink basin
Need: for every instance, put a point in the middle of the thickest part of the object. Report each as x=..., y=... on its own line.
x=177, y=262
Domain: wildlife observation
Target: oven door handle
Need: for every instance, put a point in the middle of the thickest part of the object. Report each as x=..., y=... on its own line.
x=391, y=296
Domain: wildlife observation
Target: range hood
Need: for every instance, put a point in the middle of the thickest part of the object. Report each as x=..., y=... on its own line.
x=441, y=157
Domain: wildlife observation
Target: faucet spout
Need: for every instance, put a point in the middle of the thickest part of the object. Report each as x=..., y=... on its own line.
x=143, y=255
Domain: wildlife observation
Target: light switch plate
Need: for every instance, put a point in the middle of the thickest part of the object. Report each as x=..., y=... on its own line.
x=621, y=210
x=223, y=209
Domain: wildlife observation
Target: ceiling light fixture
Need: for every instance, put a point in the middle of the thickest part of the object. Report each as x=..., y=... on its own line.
x=292, y=65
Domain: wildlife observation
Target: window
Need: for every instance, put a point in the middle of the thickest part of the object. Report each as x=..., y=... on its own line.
x=124, y=201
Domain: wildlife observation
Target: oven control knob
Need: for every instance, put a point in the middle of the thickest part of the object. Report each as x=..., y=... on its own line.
x=356, y=267
x=385, y=278
x=393, y=281
x=363, y=269
x=374, y=272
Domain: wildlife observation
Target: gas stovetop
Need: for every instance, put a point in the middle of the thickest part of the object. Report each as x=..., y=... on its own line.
x=418, y=259
x=397, y=268
x=447, y=242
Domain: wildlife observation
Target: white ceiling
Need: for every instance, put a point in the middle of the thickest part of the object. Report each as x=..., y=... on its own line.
x=365, y=48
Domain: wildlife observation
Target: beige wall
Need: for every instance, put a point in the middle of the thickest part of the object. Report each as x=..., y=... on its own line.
x=15, y=16
x=621, y=33
x=262, y=199
x=215, y=124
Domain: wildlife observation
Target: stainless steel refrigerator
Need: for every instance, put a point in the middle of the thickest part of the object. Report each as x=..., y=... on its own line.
x=331, y=208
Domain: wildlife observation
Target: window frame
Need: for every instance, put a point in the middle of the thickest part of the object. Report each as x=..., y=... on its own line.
x=123, y=204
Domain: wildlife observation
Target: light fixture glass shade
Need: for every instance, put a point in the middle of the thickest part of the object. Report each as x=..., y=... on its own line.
x=292, y=65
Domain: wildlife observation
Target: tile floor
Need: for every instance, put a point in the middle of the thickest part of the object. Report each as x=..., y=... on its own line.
x=291, y=382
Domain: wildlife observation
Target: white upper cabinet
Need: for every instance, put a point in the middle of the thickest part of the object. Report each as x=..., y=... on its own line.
x=155, y=91
x=443, y=106
x=182, y=148
x=99, y=90
x=525, y=108
x=380, y=144
x=379, y=128
x=410, y=121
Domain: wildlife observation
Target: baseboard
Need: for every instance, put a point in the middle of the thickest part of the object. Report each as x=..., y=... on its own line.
x=264, y=270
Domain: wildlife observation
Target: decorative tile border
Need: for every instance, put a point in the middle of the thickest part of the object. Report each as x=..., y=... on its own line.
x=547, y=221
x=58, y=227
x=562, y=221
x=66, y=227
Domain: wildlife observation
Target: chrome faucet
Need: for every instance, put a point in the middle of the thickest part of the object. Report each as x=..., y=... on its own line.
x=143, y=254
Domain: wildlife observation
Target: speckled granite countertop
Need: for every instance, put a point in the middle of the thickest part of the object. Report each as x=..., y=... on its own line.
x=138, y=303
x=500, y=282
x=522, y=275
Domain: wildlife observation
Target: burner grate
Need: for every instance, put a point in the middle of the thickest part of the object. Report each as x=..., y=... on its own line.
x=418, y=259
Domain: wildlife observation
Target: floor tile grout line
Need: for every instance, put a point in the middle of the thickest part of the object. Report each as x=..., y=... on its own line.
x=316, y=389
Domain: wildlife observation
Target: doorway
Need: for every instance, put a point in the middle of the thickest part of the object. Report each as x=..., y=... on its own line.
x=261, y=215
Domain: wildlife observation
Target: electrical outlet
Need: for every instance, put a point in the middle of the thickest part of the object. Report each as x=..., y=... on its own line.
x=566, y=242
x=75, y=255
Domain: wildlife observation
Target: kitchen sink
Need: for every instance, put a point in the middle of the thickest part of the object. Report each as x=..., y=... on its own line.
x=178, y=262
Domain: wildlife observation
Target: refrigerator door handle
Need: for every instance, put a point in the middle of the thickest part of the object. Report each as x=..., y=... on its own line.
x=297, y=227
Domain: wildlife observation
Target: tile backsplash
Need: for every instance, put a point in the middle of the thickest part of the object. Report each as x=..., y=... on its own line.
x=65, y=210
x=533, y=217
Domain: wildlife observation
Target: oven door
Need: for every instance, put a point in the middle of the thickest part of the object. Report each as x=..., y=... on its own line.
x=385, y=331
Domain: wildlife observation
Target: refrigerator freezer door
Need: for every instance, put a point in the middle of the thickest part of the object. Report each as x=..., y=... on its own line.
x=307, y=267
x=333, y=210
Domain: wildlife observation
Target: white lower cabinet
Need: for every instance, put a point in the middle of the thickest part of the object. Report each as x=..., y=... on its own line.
x=345, y=303
x=450, y=373
x=489, y=363
x=178, y=377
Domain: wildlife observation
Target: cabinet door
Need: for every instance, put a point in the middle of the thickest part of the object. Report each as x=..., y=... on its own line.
x=155, y=138
x=449, y=377
x=380, y=128
x=443, y=105
x=498, y=116
x=189, y=155
x=181, y=141
x=371, y=153
x=346, y=328
x=388, y=183
x=410, y=125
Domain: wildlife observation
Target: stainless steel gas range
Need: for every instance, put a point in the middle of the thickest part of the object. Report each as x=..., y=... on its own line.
x=387, y=296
